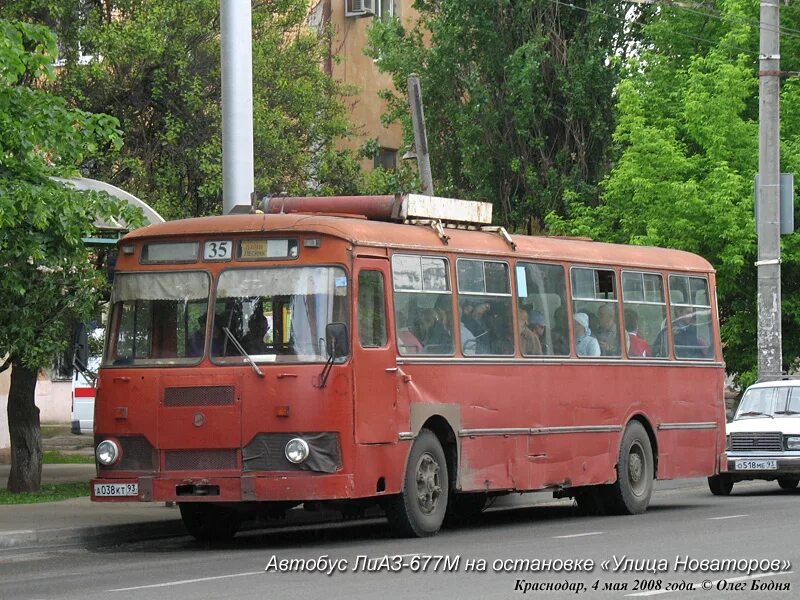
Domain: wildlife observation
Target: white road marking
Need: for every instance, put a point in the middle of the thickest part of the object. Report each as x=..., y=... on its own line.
x=576, y=535
x=186, y=581
x=698, y=586
x=728, y=517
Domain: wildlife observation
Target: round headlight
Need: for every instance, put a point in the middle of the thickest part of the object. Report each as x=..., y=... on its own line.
x=296, y=450
x=107, y=452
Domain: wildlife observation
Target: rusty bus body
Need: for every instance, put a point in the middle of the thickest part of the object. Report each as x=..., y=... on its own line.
x=427, y=434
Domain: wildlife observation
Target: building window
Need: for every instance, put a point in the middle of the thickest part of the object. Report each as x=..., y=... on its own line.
x=386, y=158
x=384, y=9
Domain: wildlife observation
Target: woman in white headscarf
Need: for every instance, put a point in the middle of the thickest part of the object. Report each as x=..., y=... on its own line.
x=585, y=344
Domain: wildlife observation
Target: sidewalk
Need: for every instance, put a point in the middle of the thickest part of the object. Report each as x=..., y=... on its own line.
x=79, y=520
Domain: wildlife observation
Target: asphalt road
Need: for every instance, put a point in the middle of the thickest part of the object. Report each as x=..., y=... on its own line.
x=684, y=527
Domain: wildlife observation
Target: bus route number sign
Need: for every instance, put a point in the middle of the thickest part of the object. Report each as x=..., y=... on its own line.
x=217, y=250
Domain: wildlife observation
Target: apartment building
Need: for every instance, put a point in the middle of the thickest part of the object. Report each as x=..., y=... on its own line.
x=348, y=64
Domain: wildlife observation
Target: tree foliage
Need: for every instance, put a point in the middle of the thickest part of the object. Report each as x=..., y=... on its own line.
x=687, y=144
x=155, y=65
x=47, y=277
x=518, y=96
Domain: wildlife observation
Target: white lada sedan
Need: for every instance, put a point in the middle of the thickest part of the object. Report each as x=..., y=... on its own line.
x=763, y=440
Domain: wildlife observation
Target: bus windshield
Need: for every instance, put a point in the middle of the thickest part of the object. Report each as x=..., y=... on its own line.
x=277, y=314
x=160, y=318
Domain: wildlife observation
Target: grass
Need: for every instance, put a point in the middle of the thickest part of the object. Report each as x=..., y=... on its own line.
x=48, y=493
x=54, y=457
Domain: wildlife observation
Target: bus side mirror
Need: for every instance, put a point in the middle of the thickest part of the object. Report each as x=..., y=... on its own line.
x=336, y=334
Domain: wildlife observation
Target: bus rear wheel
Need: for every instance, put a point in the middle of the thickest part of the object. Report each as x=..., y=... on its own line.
x=720, y=485
x=788, y=483
x=419, y=509
x=630, y=495
x=209, y=522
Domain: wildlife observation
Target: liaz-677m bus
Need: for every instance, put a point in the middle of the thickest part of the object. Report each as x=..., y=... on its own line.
x=394, y=350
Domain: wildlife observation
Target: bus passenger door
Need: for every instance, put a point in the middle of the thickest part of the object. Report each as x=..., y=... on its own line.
x=374, y=360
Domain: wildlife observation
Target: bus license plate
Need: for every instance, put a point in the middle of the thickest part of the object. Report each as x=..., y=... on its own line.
x=756, y=465
x=107, y=490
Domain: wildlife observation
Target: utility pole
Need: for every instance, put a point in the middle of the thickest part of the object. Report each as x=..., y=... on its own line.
x=420, y=134
x=769, y=168
x=236, y=24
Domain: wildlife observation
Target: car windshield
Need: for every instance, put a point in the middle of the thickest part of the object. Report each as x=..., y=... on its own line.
x=158, y=318
x=769, y=401
x=277, y=314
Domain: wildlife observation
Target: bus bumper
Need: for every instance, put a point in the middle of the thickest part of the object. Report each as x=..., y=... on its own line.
x=250, y=488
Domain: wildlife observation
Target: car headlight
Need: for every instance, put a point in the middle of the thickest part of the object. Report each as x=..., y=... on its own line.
x=793, y=442
x=296, y=450
x=107, y=452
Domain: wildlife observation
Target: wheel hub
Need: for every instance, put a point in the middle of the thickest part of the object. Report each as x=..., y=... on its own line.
x=428, y=487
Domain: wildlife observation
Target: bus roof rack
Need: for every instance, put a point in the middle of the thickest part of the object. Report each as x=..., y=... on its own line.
x=399, y=208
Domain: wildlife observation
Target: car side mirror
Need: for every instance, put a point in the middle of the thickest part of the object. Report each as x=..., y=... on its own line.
x=337, y=342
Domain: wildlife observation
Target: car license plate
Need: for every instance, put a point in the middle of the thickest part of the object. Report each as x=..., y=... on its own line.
x=107, y=490
x=756, y=465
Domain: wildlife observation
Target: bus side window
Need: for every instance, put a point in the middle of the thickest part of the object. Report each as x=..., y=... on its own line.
x=645, y=314
x=542, y=309
x=486, y=321
x=371, y=309
x=594, y=295
x=422, y=304
x=690, y=312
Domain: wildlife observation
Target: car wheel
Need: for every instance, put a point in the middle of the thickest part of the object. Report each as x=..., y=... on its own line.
x=720, y=485
x=419, y=509
x=788, y=483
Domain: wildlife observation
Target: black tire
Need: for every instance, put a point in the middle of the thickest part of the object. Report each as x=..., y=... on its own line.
x=630, y=494
x=463, y=508
x=720, y=485
x=419, y=509
x=210, y=522
x=788, y=483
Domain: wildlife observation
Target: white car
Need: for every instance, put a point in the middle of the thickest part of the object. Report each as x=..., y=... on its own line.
x=763, y=440
x=83, y=395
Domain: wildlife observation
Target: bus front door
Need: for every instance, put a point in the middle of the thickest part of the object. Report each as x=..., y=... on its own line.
x=374, y=359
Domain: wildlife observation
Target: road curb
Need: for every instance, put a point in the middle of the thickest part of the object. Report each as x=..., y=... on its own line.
x=98, y=534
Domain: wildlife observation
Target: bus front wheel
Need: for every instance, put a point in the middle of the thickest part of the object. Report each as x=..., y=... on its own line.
x=419, y=509
x=631, y=493
x=209, y=522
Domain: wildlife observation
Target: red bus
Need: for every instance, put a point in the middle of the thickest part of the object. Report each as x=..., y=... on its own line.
x=256, y=362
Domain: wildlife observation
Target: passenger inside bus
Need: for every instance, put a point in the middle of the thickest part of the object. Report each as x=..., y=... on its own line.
x=532, y=336
x=585, y=344
x=607, y=331
x=636, y=343
x=254, y=341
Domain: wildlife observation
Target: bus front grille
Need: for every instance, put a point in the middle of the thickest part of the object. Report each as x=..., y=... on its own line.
x=206, y=395
x=759, y=441
x=196, y=460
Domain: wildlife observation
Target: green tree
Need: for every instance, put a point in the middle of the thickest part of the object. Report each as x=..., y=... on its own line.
x=155, y=65
x=517, y=93
x=47, y=278
x=687, y=144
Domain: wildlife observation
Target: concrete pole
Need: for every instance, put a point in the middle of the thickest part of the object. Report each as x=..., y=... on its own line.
x=237, y=105
x=768, y=226
x=420, y=134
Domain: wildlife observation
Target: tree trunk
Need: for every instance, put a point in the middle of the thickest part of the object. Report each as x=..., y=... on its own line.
x=26, y=435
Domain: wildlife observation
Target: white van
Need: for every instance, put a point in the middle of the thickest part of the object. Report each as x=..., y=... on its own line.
x=763, y=440
x=83, y=395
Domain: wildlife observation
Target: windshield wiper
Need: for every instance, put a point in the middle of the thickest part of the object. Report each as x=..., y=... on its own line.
x=787, y=412
x=755, y=413
x=242, y=351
